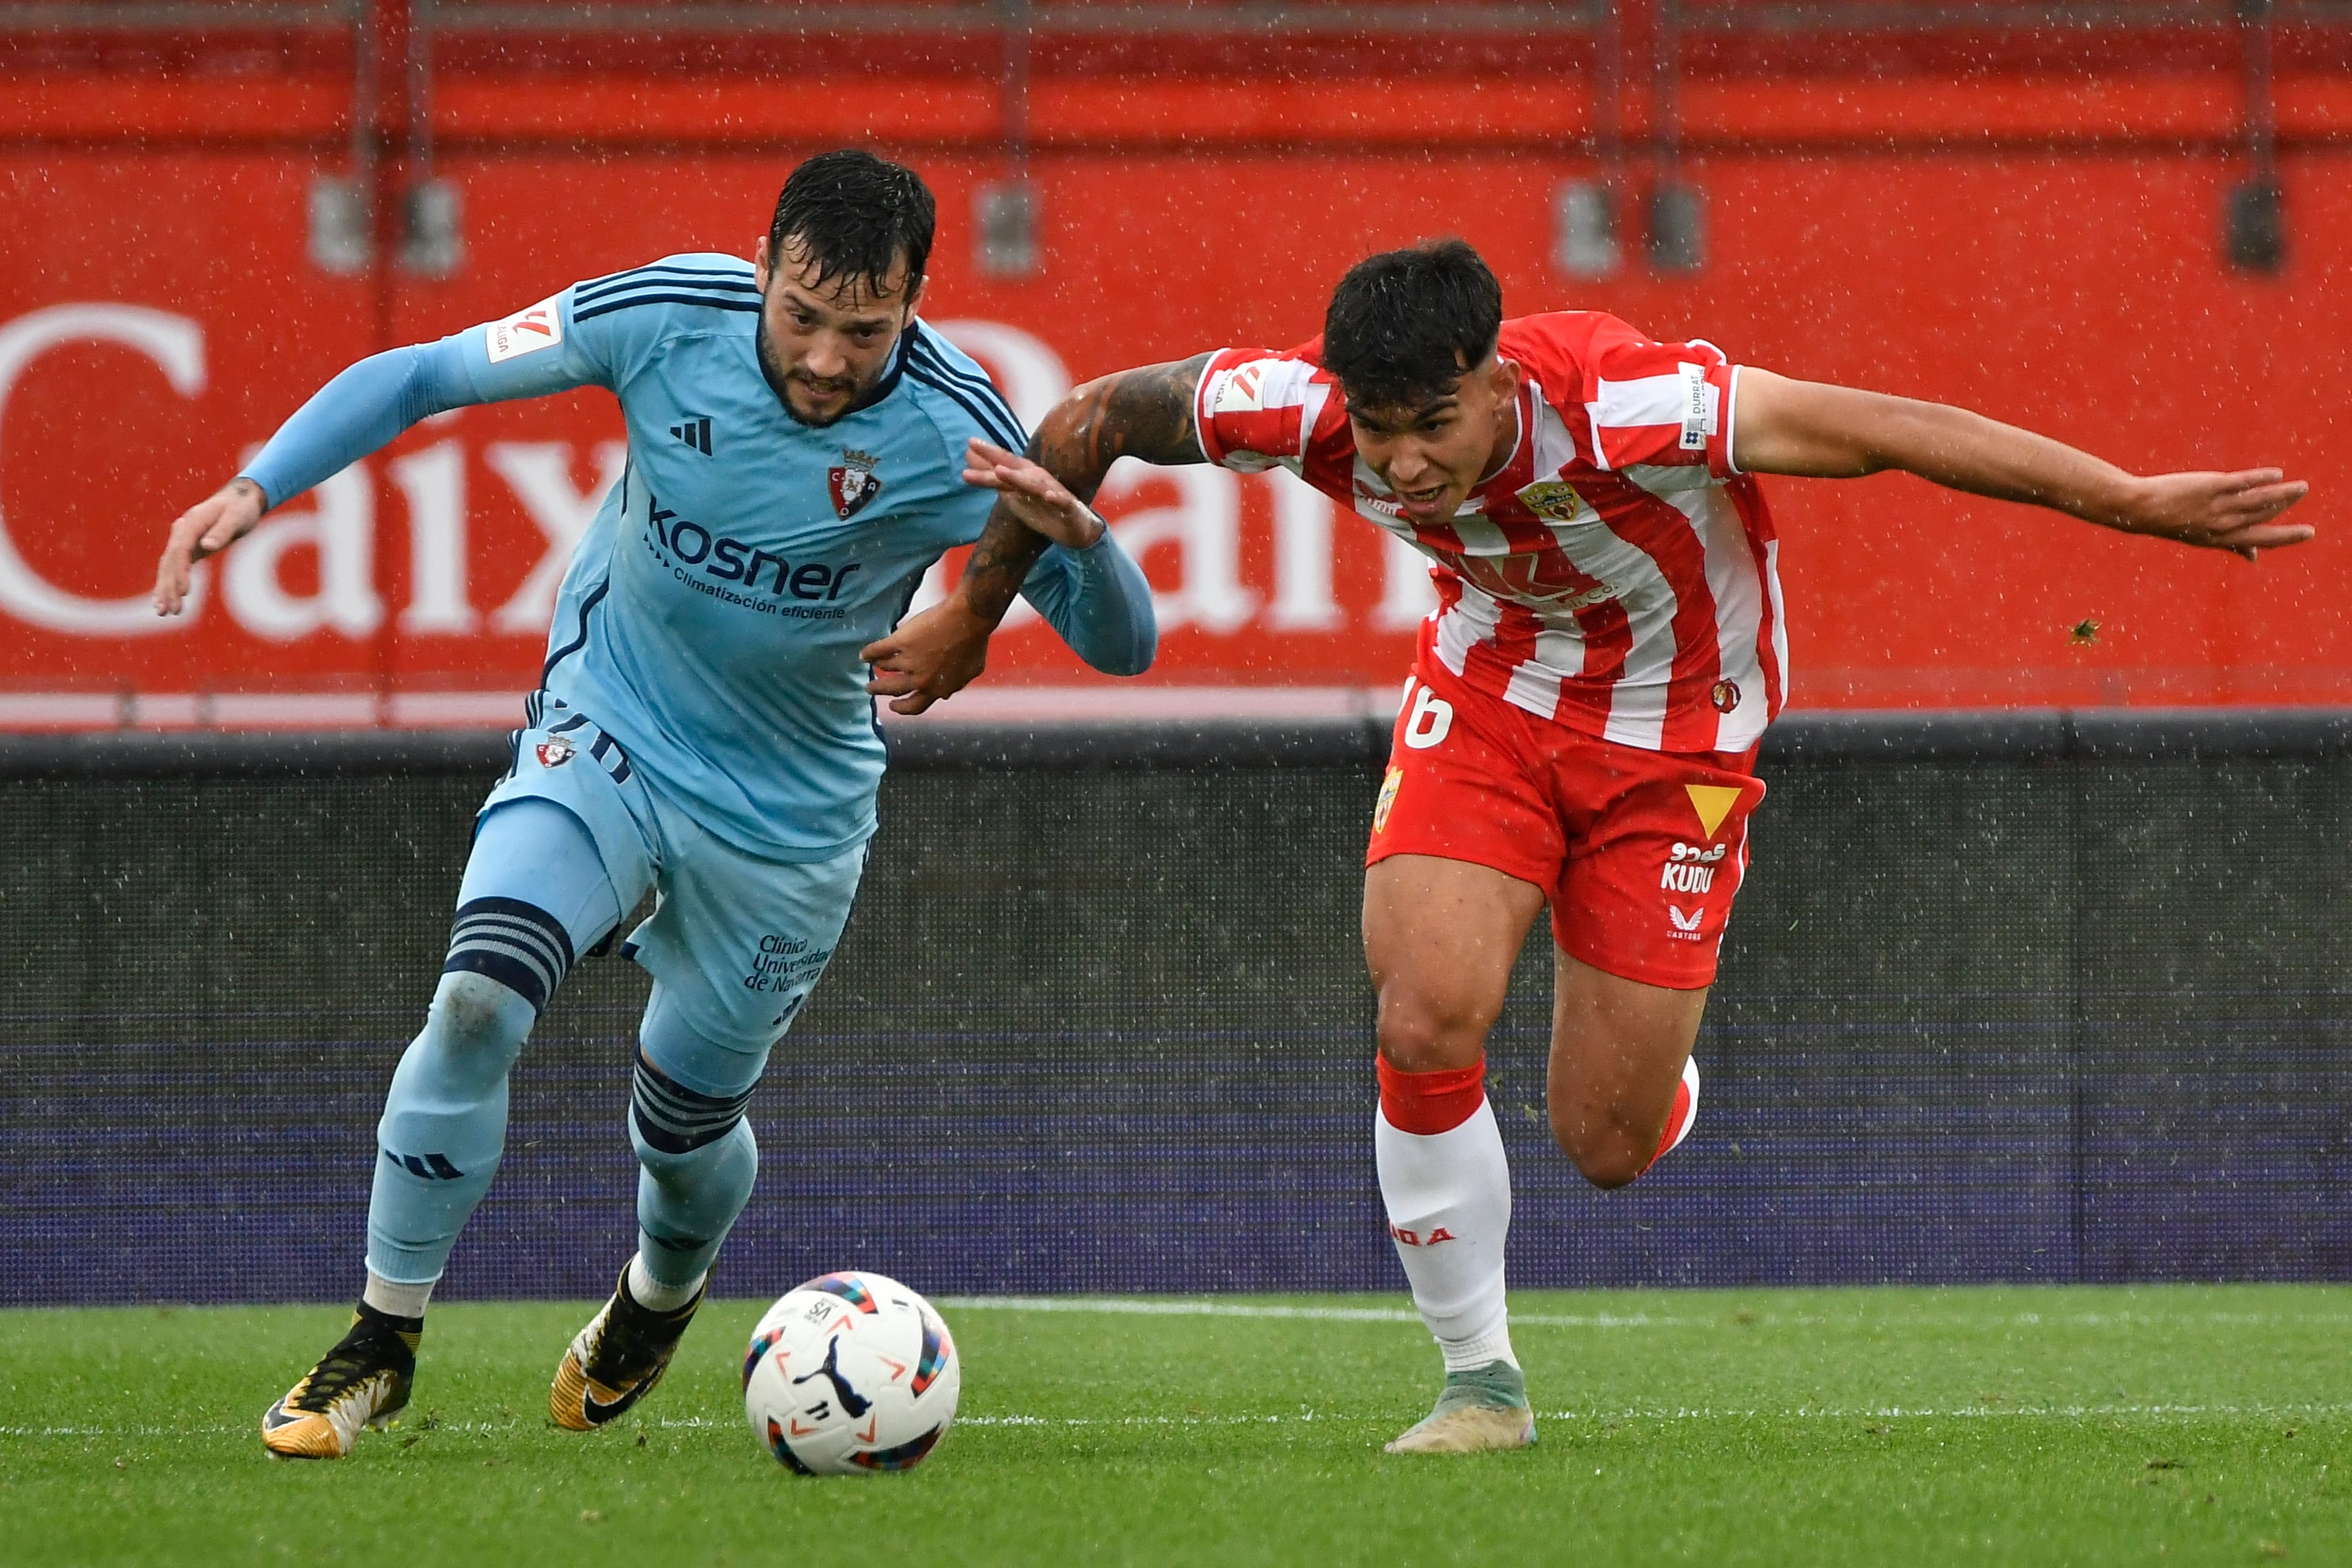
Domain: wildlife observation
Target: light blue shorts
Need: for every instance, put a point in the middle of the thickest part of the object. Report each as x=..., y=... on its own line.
x=735, y=942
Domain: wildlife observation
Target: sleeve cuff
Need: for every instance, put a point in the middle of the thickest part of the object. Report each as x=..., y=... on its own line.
x=1204, y=423
x=1718, y=447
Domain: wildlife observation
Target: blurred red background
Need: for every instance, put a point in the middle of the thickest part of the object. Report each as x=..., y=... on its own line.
x=2029, y=226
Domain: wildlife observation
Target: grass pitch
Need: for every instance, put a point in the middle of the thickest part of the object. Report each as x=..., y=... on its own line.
x=1815, y=1427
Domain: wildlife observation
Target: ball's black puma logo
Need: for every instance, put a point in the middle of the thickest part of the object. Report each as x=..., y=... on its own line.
x=853, y=1403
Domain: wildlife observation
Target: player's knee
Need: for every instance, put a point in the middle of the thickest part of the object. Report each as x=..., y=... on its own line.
x=521, y=947
x=1617, y=1165
x=478, y=1016
x=1608, y=1156
x=1420, y=1031
x=669, y=1123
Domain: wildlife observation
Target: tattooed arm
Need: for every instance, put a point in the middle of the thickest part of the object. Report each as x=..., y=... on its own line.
x=1145, y=412
x=1042, y=501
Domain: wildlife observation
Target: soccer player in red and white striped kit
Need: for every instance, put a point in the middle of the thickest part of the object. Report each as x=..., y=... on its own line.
x=1583, y=719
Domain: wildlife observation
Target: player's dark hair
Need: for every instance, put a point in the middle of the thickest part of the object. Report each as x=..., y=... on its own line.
x=1404, y=325
x=856, y=216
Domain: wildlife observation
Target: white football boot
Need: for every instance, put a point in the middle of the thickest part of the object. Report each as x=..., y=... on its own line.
x=1480, y=1408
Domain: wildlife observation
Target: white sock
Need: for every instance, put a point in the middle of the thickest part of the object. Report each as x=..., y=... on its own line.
x=1450, y=1194
x=651, y=1293
x=395, y=1299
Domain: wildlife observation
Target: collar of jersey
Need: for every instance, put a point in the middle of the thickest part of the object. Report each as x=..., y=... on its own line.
x=874, y=394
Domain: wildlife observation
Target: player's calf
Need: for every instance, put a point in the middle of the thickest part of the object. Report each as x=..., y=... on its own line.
x=1613, y=1150
x=699, y=1160
x=364, y=1381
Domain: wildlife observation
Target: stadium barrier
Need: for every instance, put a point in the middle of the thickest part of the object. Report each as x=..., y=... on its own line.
x=2028, y=996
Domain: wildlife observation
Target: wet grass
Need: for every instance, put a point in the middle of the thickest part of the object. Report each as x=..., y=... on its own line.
x=2155, y=1425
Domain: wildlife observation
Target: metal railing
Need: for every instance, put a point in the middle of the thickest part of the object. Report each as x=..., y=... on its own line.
x=1043, y=18
x=180, y=17
x=1003, y=34
x=342, y=207
x=1944, y=16
x=1797, y=17
x=2253, y=230
x=1161, y=18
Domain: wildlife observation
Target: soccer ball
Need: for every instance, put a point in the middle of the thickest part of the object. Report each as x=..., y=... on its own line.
x=850, y=1372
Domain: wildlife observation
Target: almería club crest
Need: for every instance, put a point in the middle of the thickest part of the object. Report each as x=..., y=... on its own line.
x=854, y=483
x=1554, y=501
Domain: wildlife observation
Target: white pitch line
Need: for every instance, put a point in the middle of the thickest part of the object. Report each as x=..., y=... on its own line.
x=1808, y=1413
x=1132, y=1306
x=1129, y=1306
x=2059, y=1413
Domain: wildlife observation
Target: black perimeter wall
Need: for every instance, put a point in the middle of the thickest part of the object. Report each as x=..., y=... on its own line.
x=2026, y=998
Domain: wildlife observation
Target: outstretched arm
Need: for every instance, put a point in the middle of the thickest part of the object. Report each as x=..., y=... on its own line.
x=530, y=354
x=351, y=415
x=1146, y=413
x=1785, y=427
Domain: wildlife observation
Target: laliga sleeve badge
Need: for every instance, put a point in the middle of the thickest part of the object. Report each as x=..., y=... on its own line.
x=1725, y=696
x=554, y=751
x=526, y=332
x=854, y=483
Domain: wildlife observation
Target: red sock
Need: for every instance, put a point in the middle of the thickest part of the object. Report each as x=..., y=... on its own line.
x=1426, y=1103
x=1680, y=1116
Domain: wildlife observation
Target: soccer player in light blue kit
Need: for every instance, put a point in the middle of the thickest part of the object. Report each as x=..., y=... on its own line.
x=802, y=448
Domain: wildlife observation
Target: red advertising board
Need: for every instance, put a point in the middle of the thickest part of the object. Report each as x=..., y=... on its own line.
x=159, y=315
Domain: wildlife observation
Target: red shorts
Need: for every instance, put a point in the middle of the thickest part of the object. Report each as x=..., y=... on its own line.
x=1641, y=851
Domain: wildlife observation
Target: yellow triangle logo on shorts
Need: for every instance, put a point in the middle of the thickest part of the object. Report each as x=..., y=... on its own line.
x=1713, y=802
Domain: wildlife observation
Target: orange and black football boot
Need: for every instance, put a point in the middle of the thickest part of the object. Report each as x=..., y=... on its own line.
x=363, y=1381
x=616, y=1360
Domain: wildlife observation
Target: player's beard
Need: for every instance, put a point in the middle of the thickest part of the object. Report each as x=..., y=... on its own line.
x=782, y=380
x=851, y=399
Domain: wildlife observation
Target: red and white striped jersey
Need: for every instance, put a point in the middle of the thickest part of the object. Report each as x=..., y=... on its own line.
x=1618, y=575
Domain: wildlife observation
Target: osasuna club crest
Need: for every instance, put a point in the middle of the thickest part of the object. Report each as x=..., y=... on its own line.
x=854, y=483
x=553, y=752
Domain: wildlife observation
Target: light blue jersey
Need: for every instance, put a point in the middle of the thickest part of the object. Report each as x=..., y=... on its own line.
x=712, y=615
x=701, y=732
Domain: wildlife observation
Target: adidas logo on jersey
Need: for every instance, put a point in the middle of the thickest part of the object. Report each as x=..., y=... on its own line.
x=695, y=433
